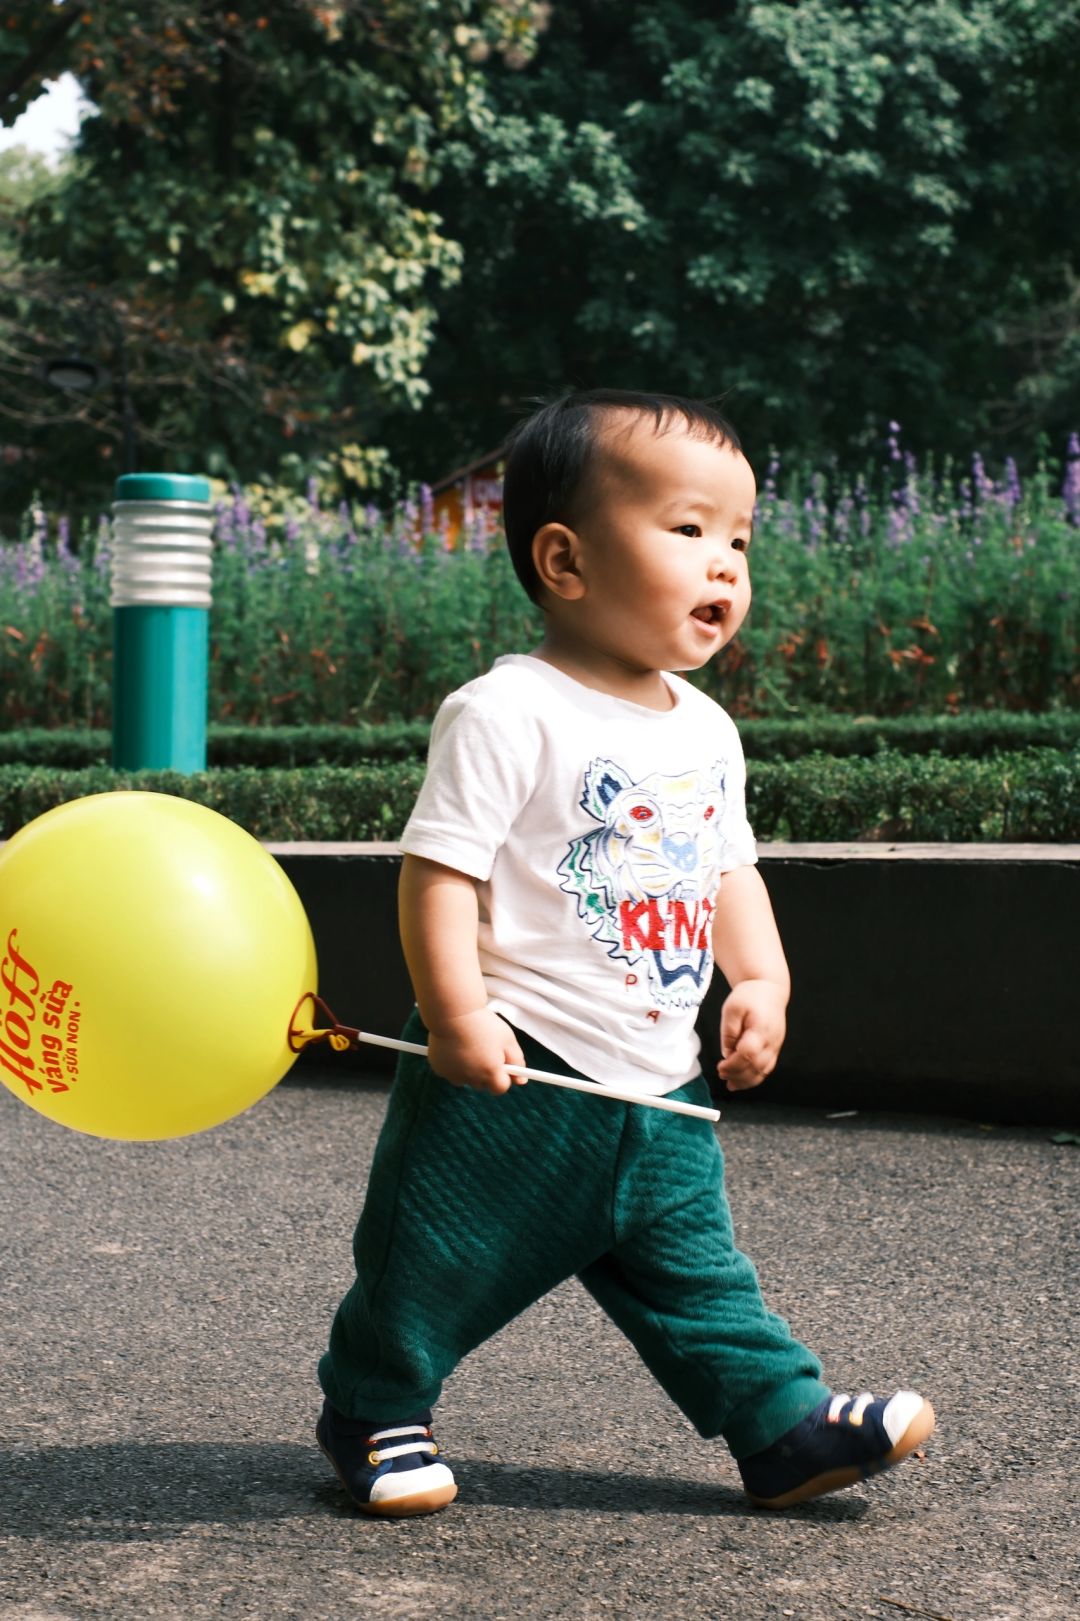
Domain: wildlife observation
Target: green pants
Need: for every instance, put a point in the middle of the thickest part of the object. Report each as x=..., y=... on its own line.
x=478, y=1205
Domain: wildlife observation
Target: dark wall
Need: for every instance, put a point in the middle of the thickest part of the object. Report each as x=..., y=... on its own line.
x=935, y=985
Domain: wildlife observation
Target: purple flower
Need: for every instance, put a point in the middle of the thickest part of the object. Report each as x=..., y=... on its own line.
x=787, y=523
x=814, y=528
x=906, y=495
x=103, y=546
x=967, y=506
x=404, y=530
x=899, y=526
x=1070, y=489
x=893, y=442
x=1013, y=492
x=226, y=527
x=67, y=560
x=480, y=530
x=842, y=516
x=984, y=484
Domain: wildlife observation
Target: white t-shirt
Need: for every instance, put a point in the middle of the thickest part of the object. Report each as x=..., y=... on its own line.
x=597, y=831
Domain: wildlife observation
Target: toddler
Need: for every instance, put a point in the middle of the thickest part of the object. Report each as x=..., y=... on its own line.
x=578, y=857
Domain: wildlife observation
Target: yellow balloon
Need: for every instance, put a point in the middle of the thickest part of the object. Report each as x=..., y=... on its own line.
x=153, y=954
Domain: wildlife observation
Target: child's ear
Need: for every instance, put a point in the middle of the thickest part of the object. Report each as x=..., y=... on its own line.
x=556, y=552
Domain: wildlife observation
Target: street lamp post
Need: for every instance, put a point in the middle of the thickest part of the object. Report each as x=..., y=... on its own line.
x=161, y=584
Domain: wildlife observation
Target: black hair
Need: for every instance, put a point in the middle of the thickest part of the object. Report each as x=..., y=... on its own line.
x=549, y=456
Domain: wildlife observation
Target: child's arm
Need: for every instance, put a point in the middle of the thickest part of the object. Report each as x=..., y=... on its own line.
x=438, y=917
x=746, y=945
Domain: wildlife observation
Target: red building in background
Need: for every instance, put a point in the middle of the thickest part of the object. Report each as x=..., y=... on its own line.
x=471, y=493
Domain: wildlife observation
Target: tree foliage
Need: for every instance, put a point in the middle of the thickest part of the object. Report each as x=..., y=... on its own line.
x=833, y=212
x=325, y=233
x=246, y=230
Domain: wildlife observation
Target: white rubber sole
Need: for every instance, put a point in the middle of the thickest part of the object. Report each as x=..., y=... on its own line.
x=403, y=1505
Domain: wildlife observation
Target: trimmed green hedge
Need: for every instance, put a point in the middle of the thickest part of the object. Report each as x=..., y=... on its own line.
x=975, y=736
x=236, y=745
x=1030, y=796
x=322, y=803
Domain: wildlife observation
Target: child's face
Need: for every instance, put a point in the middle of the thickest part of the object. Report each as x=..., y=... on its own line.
x=663, y=549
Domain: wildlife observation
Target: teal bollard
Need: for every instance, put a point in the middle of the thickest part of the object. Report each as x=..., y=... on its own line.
x=161, y=593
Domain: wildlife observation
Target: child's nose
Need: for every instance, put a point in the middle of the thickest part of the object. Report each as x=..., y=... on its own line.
x=724, y=563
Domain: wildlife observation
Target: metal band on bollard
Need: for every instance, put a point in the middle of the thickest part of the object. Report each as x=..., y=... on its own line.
x=161, y=594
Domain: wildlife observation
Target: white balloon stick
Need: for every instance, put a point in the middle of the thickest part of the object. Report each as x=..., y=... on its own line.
x=670, y=1104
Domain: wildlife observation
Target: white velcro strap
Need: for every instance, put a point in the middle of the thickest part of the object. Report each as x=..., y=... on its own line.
x=403, y=1429
x=399, y=1452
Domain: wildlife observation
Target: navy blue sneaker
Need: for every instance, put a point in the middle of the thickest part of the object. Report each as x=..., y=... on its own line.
x=840, y=1442
x=386, y=1468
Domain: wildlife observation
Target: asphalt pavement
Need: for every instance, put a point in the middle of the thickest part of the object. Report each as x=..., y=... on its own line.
x=164, y=1305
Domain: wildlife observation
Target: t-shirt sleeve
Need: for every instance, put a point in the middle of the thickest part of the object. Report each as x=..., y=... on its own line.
x=738, y=847
x=481, y=768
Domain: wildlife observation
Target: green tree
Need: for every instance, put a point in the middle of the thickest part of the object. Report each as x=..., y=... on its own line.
x=832, y=212
x=246, y=237
x=26, y=178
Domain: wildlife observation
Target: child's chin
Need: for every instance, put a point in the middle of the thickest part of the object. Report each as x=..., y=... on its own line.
x=706, y=654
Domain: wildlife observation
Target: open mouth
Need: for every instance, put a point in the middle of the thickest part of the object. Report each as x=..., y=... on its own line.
x=711, y=613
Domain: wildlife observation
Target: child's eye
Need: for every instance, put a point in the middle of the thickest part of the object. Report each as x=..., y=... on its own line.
x=691, y=529
x=741, y=544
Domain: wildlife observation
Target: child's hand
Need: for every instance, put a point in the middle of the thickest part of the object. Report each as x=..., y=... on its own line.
x=753, y=1024
x=474, y=1050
